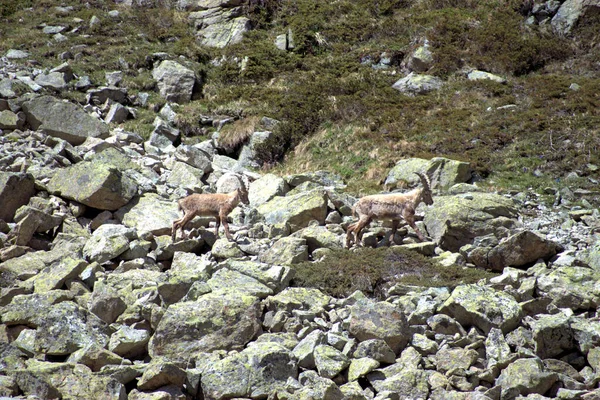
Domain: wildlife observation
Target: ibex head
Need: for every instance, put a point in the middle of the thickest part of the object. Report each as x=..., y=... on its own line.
x=427, y=196
x=243, y=191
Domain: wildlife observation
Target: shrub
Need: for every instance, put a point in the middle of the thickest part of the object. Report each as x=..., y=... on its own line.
x=372, y=271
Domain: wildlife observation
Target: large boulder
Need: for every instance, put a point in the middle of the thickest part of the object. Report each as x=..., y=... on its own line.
x=15, y=191
x=219, y=27
x=149, y=213
x=265, y=188
x=418, y=84
x=572, y=13
x=442, y=172
x=175, y=81
x=570, y=287
x=64, y=120
x=94, y=184
x=483, y=307
x=215, y=321
x=379, y=320
x=297, y=210
x=454, y=221
x=520, y=250
x=255, y=372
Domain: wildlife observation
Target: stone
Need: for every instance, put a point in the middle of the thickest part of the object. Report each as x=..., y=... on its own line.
x=175, y=81
x=297, y=210
x=379, y=320
x=63, y=120
x=483, y=307
x=442, y=172
x=525, y=376
x=414, y=84
x=198, y=326
x=286, y=251
x=15, y=191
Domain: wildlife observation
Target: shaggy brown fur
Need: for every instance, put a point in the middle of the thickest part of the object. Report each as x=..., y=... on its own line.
x=389, y=206
x=218, y=205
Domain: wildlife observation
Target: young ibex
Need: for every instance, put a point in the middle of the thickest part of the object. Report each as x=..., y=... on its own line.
x=217, y=205
x=393, y=206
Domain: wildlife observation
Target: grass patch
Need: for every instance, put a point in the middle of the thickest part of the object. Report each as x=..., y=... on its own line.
x=372, y=271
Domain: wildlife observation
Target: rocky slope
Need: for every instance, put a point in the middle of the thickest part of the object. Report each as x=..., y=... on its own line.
x=98, y=302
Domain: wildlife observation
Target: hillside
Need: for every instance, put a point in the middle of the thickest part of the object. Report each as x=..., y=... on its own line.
x=288, y=200
x=332, y=87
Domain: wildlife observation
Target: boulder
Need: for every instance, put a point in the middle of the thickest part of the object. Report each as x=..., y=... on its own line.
x=413, y=84
x=297, y=210
x=379, y=320
x=520, y=250
x=454, y=221
x=108, y=242
x=552, y=335
x=266, y=188
x=255, y=372
x=525, y=376
x=15, y=191
x=483, y=307
x=573, y=12
x=64, y=120
x=571, y=287
x=186, y=176
x=149, y=213
x=192, y=327
x=442, y=172
x=220, y=27
x=95, y=184
x=286, y=251
x=175, y=82
x=55, y=380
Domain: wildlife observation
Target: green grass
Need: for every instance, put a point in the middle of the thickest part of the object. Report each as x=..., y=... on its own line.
x=372, y=271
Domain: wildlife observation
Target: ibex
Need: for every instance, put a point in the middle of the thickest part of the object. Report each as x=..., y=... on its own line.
x=393, y=206
x=218, y=205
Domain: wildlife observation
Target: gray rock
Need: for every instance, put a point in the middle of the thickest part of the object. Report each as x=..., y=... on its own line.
x=103, y=94
x=161, y=373
x=198, y=326
x=286, y=251
x=483, y=307
x=63, y=120
x=418, y=84
x=255, y=372
x=552, y=335
x=175, y=82
x=376, y=349
x=15, y=191
x=442, y=172
x=108, y=242
x=571, y=12
x=570, y=287
x=305, y=349
x=195, y=157
x=379, y=320
x=521, y=249
x=149, y=213
x=525, y=376
x=297, y=210
x=266, y=188
x=184, y=175
x=454, y=221
x=94, y=184
x=476, y=75
x=319, y=237
x=421, y=59
x=329, y=361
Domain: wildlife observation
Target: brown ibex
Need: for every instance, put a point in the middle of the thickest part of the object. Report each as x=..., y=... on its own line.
x=393, y=206
x=218, y=205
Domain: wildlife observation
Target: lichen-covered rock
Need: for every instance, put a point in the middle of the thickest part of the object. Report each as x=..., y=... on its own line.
x=305, y=349
x=175, y=82
x=448, y=358
x=223, y=249
x=286, y=251
x=149, y=213
x=108, y=242
x=297, y=210
x=442, y=172
x=50, y=380
x=96, y=357
x=586, y=334
x=94, y=184
x=294, y=298
x=483, y=307
x=329, y=361
x=129, y=342
x=360, y=367
x=265, y=188
x=418, y=84
x=255, y=372
x=185, y=175
x=379, y=320
x=275, y=277
x=63, y=119
x=224, y=279
x=497, y=349
x=319, y=237
x=161, y=373
x=571, y=12
x=15, y=191
x=215, y=321
x=376, y=349
x=525, y=376
x=55, y=276
x=521, y=249
x=454, y=221
x=570, y=287
x=552, y=335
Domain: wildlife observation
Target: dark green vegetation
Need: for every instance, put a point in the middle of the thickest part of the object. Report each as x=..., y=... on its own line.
x=372, y=271
x=340, y=113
